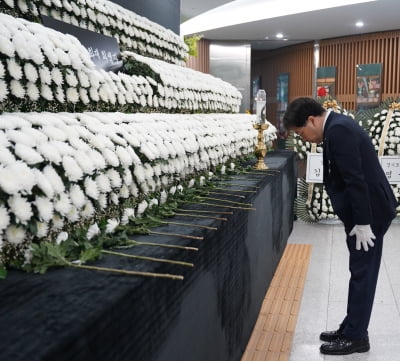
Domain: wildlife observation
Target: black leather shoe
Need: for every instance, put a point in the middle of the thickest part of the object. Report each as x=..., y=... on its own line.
x=345, y=346
x=329, y=336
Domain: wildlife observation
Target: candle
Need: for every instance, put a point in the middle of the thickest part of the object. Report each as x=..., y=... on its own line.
x=261, y=101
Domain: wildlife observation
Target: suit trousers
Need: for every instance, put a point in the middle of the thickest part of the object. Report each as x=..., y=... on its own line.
x=364, y=270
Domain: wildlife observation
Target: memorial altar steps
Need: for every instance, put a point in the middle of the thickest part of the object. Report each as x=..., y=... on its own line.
x=322, y=301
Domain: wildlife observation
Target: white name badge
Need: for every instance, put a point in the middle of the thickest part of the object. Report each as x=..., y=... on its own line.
x=315, y=168
x=391, y=167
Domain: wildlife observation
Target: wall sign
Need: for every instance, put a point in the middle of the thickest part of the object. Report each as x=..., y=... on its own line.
x=103, y=50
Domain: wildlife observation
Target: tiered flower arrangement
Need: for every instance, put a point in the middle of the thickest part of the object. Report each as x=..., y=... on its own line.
x=85, y=153
x=373, y=121
x=133, y=32
x=60, y=171
x=42, y=69
x=312, y=203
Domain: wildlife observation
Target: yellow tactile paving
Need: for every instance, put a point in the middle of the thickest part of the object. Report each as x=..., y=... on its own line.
x=272, y=335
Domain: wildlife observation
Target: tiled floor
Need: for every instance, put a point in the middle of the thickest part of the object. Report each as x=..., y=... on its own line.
x=324, y=297
x=272, y=335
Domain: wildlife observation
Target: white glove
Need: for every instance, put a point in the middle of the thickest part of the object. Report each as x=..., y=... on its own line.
x=364, y=236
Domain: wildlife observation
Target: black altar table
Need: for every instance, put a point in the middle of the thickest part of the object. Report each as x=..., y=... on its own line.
x=82, y=315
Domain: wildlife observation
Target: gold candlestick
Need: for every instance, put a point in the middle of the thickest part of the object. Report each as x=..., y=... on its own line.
x=260, y=149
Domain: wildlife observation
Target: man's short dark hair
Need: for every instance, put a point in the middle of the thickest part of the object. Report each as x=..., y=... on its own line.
x=299, y=110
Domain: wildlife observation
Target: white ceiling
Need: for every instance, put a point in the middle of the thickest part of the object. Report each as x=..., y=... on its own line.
x=378, y=15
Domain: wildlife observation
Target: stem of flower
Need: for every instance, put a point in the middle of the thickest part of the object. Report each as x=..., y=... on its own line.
x=235, y=190
x=136, y=243
x=221, y=206
x=177, y=234
x=199, y=216
x=225, y=201
x=125, y=272
x=148, y=258
x=201, y=211
x=238, y=185
x=227, y=194
x=189, y=225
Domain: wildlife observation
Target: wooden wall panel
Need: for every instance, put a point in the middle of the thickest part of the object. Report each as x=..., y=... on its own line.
x=344, y=53
x=295, y=60
x=201, y=62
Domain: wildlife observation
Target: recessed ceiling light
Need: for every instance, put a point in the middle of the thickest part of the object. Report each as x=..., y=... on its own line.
x=266, y=38
x=285, y=39
x=359, y=24
x=279, y=35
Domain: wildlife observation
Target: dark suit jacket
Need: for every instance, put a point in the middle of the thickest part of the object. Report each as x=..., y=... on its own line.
x=355, y=182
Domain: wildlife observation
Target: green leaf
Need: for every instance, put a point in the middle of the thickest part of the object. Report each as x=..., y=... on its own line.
x=90, y=254
x=3, y=272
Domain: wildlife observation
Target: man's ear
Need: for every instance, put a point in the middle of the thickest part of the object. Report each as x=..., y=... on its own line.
x=311, y=119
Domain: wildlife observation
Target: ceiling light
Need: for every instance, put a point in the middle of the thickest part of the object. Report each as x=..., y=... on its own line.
x=359, y=24
x=279, y=35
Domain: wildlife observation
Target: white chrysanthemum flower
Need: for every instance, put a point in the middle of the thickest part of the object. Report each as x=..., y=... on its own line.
x=134, y=189
x=6, y=157
x=27, y=154
x=114, y=177
x=45, y=208
x=2, y=70
x=14, y=69
x=72, y=169
x=56, y=76
x=142, y=207
x=103, y=183
x=191, y=183
x=124, y=192
x=71, y=78
x=114, y=198
x=84, y=162
x=57, y=222
x=49, y=152
x=110, y=157
x=54, y=179
x=72, y=95
x=77, y=196
x=15, y=235
x=91, y=189
x=163, y=197
x=21, y=208
x=3, y=90
x=102, y=201
x=6, y=46
x=30, y=72
x=46, y=92
x=88, y=210
x=128, y=214
x=127, y=177
x=17, y=89
x=92, y=231
x=62, y=204
x=172, y=190
x=123, y=156
x=4, y=218
x=139, y=173
x=42, y=229
x=43, y=183
x=112, y=224
x=61, y=237
x=16, y=177
x=45, y=75
x=59, y=94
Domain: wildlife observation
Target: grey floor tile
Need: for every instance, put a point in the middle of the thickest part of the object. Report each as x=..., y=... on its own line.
x=323, y=305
